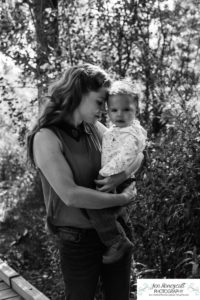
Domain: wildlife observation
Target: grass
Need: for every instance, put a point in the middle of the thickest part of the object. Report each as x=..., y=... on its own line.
x=27, y=248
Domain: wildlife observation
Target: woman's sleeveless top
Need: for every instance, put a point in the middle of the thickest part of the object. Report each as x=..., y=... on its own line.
x=82, y=150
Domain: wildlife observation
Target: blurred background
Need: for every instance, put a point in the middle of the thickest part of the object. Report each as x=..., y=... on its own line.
x=157, y=44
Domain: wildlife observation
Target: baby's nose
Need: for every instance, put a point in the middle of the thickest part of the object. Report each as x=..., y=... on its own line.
x=119, y=113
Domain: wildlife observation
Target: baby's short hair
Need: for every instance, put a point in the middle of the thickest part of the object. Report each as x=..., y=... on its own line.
x=123, y=87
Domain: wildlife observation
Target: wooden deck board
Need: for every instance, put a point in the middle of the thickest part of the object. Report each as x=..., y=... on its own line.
x=6, y=293
x=15, y=287
x=27, y=290
x=3, y=286
x=6, y=273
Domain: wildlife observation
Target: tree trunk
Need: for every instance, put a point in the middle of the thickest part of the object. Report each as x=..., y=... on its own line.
x=46, y=27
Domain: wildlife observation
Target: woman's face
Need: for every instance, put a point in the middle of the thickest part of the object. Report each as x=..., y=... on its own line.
x=92, y=105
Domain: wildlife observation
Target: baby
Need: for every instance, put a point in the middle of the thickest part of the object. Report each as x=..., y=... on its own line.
x=122, y=143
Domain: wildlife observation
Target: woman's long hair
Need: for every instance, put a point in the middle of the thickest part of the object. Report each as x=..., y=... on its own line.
x=65, y=95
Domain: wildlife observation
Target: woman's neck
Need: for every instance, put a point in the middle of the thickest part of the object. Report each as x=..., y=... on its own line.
x=73, y=119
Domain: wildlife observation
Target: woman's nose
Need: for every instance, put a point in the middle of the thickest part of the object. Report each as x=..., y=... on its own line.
x=102, y=108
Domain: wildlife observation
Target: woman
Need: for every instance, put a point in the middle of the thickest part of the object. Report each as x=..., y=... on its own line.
x=65, y=146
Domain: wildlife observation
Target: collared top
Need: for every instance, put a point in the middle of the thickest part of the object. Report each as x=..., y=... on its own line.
x=74, y=132
x=120, y=147
x=81, y=148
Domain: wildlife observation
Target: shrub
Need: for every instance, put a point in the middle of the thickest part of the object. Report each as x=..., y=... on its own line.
x=166, y=218
x=17, y=182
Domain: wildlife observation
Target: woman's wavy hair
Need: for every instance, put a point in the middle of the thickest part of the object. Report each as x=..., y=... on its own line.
x=65, y=95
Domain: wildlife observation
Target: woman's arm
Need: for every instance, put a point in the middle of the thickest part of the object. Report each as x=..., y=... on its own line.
x=50, y=160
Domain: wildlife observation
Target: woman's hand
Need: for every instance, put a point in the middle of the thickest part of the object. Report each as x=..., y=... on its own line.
x=130, y=193
x=109, y=184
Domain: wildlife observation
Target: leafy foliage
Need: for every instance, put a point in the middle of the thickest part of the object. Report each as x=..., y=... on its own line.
x=166, y=214
x=155, y=43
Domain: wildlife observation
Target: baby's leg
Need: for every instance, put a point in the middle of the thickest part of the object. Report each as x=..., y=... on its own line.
x=106, y=225
x=110, y=232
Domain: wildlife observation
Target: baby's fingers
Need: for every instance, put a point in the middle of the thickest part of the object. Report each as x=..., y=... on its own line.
x=100, y=181
x=105, y=188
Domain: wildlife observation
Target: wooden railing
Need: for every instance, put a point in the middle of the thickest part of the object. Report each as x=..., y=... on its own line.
x=15, y=287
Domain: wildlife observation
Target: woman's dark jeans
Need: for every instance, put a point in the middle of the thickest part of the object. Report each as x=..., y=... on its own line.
x=81, y=262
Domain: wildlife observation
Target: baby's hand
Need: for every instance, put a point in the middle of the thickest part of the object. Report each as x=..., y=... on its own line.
x=104, y=185
x=109, y=184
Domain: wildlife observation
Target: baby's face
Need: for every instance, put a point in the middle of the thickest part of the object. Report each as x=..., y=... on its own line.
x=121, y=110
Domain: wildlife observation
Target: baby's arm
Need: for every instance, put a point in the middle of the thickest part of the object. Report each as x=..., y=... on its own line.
x=135, y=166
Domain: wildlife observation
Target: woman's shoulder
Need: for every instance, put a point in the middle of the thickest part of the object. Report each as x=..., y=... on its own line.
x=45, y=135
x=45, y=144
x=46, y=138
